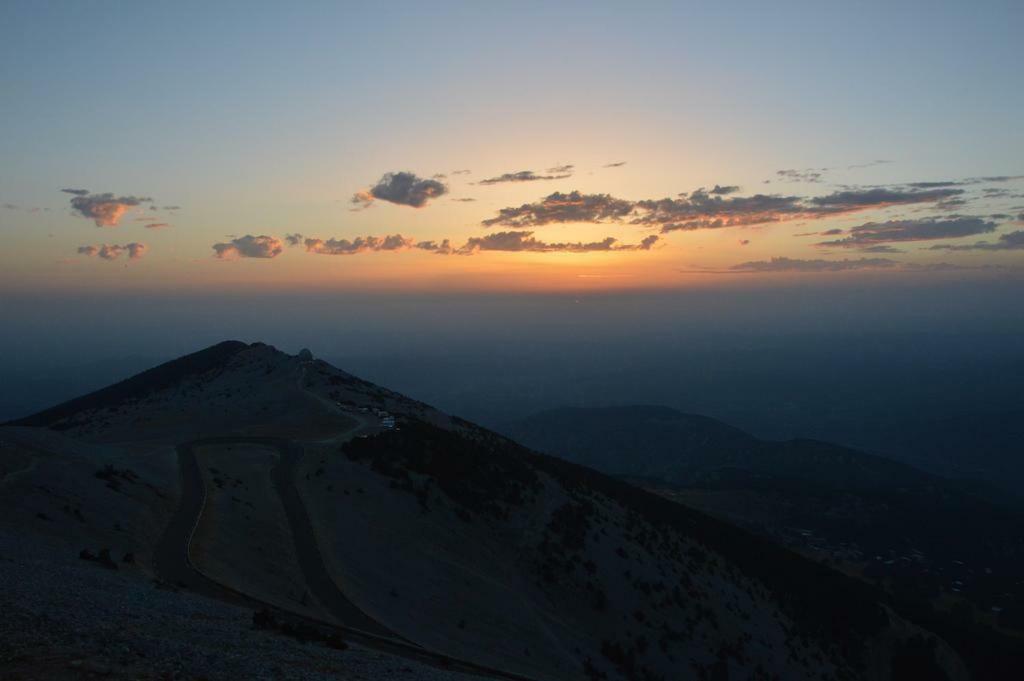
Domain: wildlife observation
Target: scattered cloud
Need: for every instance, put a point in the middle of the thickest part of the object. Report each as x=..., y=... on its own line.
x=464, y=200
x=869, y=164
x=702, y=210
x=998, y=178
x=27, y=209
x=710, y=209
x=133, y=250
x=249, y=246
x=926, y=229
x=529, y=176
x=157, y=225
x=1011, y=241
x=719, y=190
x=561, y=208
x=293, y=239
x=402, y=188
x=881, y=248
x=443, y=248
x=525, y=241
x=461, y=172
x=936, y=185
x=782, y=264
x=950, y=204
x=812, y=175
x=852, y=200
x=617, y=164
x=510, y=241
x=561, y=169
x=394, y=242
x=106, y=210
x=798, y=265
x=744, y=242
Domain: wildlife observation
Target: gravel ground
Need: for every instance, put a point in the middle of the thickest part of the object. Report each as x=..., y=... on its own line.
x=66, y=618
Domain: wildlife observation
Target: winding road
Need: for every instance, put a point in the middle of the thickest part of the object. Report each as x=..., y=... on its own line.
x=173, y=563
x=172, y=557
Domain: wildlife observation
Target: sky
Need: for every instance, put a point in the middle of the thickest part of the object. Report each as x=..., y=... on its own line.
x=507, y=147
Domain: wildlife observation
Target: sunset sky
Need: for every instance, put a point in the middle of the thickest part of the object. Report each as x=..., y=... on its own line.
x=507, y=147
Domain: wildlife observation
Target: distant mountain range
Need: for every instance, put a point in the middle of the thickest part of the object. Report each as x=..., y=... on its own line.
x=272, y=483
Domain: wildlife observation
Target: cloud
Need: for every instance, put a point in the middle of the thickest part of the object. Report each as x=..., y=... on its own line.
x=702, y=210
x=293, y=239
x=1011, y=241
x=744, y=242
x=528, y=176
x=464, y=200
x=617, y=164
x=869, y=164
x=950, y=204
x=782, y=264
x=172, y=207
x=882, y=248
x=719, y=190
x=894, y=231
x=812, y=175
x=402, y=188
x=443, y=248
x=560, y=208
x=560, y=169
x=797, y=265
x=461, y=172
x=525, y=241
x=134, y=251
x=249, y=246
x=936, y=185
x=394, y=242
x=511, y=241
x=157, y=225
x=852, y=200
x=833, y=232
x=106, y=210
x=998, y=178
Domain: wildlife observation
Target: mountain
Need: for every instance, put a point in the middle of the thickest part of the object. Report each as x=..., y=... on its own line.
x=926, y=539
x=690, y=450
x=241, y=499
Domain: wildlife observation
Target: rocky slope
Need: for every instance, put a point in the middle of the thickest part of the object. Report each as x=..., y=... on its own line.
x=458, y=540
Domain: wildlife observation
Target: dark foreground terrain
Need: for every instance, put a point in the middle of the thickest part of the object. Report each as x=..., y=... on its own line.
x=323, y=542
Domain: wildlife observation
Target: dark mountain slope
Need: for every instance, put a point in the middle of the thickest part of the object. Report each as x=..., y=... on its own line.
x=927, y=540
x=458, y=540
x=140, y=385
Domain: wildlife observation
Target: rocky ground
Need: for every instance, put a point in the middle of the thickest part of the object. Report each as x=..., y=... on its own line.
x=66, y=618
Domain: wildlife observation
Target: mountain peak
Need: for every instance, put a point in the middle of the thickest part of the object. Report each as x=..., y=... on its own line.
x=140, y=385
